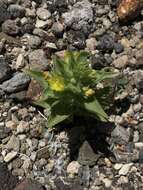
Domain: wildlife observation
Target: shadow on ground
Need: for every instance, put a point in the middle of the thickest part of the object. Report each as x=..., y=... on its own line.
x=88, y=140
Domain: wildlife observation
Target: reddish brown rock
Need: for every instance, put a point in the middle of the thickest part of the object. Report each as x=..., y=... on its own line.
x=129, y=9
x=28, y=184
x=34, y=91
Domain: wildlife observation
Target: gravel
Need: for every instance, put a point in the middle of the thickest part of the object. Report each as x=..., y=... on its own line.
x=93, y=158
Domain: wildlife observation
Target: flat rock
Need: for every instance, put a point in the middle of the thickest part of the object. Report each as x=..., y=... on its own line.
x=120, y=135
x=10, y=27
x=125, y=169
x=16, y=11
x=13, y=144
x=87, y=155
x=17, y=83
x=43, y=153
x=34, y=91
x=79, y=17
x=10, y=156
x=38, y=60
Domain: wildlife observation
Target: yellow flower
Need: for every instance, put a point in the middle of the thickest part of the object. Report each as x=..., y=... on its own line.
x=56, y=83
x=89, y=92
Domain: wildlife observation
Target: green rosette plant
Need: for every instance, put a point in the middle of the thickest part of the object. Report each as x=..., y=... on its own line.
x=72, y=88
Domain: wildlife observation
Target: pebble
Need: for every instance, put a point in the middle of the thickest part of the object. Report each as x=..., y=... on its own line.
x=125, y=169
x=107, y=182
x=43, y=14
x=10, y=156
x=13, y=144
x=118, y=166
x=26, y=184
x=20, y=62
x=17, y=83
x=38, y=60
x=121, y=62
x=11, y=124
x=22, y=127
x=10, y=27
x=73, y=167
x=43, y=153
x=42, y=24
x=16, y=11
x=139, y=145
x=81, y=14
x=33, y=41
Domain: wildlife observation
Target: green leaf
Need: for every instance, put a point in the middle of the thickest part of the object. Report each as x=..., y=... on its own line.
x=82, y=57
x=42, y=103
x=95, y=108
x=56, y=119
x=38, y=76
x=104, y=75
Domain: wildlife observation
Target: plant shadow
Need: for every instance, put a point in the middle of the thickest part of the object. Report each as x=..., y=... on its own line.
x=92, y=131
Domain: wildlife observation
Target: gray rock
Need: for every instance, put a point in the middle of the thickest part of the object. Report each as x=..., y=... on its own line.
x=23, y=127
x=58, y=29
x=80, y=16
x=3, y=10
x=34, y=41
x=121, y=62
x=17, y=83
x=42, y=23
x=43, y=153
x=138, y=79
x=4, y=131
x=43, y=14
x=125, y=169
x=84, y=175
x=10, y=156
x=13, y=144
x=87, y=155
x=38, y=60
x=120, y=135
x=10, y=27
x=16, y=11
x=4, y=69
x=126, y=157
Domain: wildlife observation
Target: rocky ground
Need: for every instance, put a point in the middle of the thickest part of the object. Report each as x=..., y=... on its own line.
x=100, y=157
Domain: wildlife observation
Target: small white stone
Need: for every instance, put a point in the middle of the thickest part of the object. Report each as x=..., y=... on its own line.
x=42, y=24
x=139, y=145
x=43, y=14
x=23, y=127
x=20, y=61
x=118, y=166
x=10, y=124
x=73, y=167
x=10, y=156
x=91, y=44
x=50, y=165
x=42, y=144
x=121, y=61
x=125, y=169
x=107, y=182
x=123, y=180
x=33, y=156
